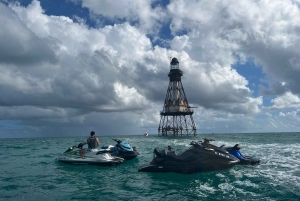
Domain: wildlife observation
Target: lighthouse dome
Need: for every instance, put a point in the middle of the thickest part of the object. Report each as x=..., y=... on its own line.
x=174, y=61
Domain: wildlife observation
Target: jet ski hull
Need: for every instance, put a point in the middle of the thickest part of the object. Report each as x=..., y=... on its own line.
x=248, y=160
x=91, y=157
x=126, y=155
x=196, y=159
x=86, y=161
x=183, y=169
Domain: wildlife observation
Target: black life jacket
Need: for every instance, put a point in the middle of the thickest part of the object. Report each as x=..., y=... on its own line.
x=93, y=143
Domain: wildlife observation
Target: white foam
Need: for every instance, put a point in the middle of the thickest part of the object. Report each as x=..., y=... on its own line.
x=206, y=188
x=226, y=186
x=247, y=183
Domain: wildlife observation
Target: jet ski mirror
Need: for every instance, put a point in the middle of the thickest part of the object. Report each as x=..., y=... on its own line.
x=118, y=141
x=207, y=140
x=237, y=147
x=170, y=148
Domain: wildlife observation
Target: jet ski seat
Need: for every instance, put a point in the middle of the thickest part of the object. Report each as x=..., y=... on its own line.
x=173, y=154
x=177, y=156
x=160, y=153
x=103, y=151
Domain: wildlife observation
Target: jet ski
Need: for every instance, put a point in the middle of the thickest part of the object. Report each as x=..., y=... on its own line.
x=201, y=156
x=122, y=149
x=91, y=156
x=244, y=160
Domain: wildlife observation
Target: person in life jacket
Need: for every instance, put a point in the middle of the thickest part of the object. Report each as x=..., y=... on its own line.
x=93, y=142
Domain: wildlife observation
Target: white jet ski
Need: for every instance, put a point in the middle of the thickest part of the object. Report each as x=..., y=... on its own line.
x=91, y=157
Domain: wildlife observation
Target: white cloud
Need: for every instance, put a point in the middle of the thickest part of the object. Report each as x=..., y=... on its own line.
x=286, y=101
x=129, y=96
x=19, y=44
x=95, y=71
x=180, y=43
x=54, y=70
x=142, y=13
x=266, y=30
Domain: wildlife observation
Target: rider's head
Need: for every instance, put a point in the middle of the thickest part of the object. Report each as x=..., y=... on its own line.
x=92, y=133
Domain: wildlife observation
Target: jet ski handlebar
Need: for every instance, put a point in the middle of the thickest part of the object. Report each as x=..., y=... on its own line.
x=80, y=145
x=118, y=141
x=207, y=140
x=196, y=143
x=199, y=143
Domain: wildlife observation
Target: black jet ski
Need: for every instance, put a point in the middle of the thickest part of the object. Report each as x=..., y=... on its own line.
x=245, y=160
x=122, y=149
x=201, y=156
x=91, y=156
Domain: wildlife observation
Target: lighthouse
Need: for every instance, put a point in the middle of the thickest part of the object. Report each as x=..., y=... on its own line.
x=176, y=116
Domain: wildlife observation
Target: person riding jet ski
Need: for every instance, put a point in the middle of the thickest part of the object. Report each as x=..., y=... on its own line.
x=201, y=156
x=91, y=156
x=93, y=142
x=122, y=149
x=245, y=160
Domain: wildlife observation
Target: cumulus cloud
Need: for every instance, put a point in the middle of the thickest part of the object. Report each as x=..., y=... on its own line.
x=19, y=45
x=286, y=101
x=56, y=71
x=265, y=30
x=89, y=63
x=147, y=15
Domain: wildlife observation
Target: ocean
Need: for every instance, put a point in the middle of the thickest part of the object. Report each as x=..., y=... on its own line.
x=29, y=171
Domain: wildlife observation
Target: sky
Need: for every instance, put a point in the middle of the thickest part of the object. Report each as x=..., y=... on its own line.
x=68, y=67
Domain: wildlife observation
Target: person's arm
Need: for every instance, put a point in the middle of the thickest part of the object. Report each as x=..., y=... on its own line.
x=98, y=142
x=88, y=140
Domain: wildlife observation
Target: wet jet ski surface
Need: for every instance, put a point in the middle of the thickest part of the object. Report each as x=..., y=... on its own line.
x=100, y=157
x=199, y=157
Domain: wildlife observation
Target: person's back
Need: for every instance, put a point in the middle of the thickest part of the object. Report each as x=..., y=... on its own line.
x=92, y=143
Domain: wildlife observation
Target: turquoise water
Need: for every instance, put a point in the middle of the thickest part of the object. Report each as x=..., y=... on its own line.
x=29, y=171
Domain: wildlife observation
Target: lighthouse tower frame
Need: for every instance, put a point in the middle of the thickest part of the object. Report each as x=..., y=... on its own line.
x=176, y=116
